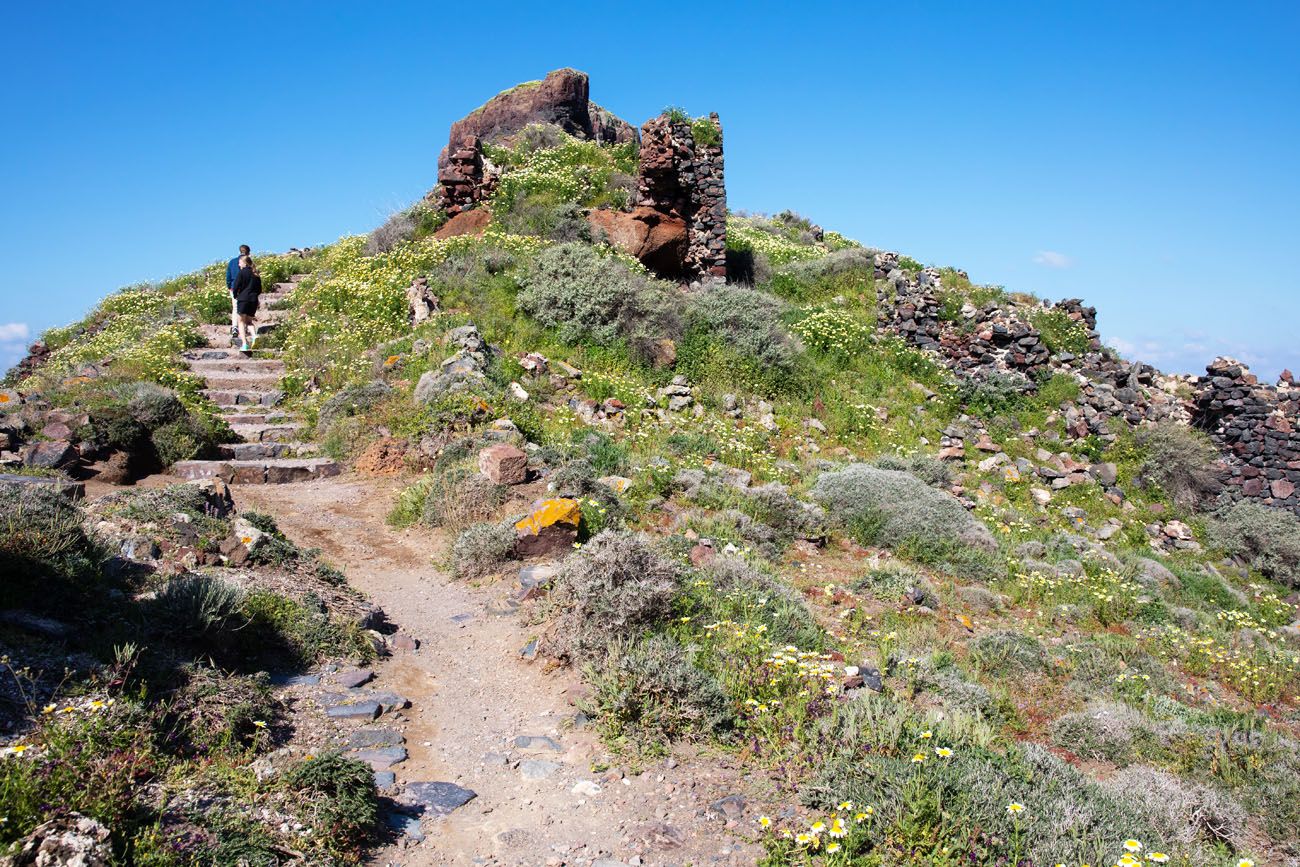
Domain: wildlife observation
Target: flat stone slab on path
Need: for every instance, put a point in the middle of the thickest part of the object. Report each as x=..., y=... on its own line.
x=366, y=710
x=438, y=799
x=537, y=769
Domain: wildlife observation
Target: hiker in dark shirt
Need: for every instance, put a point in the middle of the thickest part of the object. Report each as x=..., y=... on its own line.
x=232, y=271
x=245, y=290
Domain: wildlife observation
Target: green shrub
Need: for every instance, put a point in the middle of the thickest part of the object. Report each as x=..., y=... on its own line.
x=544, y=215
x=213, y=709
x=1267, y=539
x=894, y=508
x=1059, y=332
x=401, y=226
x=744, y=593
x=844, y=272
x=482, y=549
x=594, y=298
x=42, y=538
x=337, y=795
x=198, y=607
x=617, y=587
x=1180, y=462
x=930, y=470
x=283, y=632
x=460, y=497
x=650, y=694
x=1006, y=653
x=745, y=320
x=961, y=804
x=1104, y=732
x=889, y=581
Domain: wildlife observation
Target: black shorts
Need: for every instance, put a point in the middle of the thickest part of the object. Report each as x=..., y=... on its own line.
x=246, y=306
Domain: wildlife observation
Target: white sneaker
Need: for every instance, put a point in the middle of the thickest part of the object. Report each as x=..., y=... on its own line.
x=245, y=347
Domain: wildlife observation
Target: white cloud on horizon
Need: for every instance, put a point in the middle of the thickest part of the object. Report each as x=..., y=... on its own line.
x=1052, y=259
x=14, y=332
x=1191, y=352
x=13, y=343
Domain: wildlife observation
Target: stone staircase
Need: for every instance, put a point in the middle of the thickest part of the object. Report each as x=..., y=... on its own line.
x=245, y=386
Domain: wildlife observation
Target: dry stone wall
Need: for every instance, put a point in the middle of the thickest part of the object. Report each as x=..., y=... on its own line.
x=1257, y=427
x=684, y=178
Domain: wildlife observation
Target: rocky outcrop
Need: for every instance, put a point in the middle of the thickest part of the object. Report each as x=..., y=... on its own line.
x=560, y=100
x=1257, y=427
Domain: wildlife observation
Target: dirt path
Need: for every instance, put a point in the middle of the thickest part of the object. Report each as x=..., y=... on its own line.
x=473, y=696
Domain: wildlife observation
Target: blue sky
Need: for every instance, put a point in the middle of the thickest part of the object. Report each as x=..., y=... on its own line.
x=1144, y=157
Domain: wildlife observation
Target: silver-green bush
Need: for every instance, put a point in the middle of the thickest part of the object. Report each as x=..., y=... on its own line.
x=1266, y=539
x=591, y=297
x=617, y=587
x=482, y=549
x=892, y=508
x=747, y=321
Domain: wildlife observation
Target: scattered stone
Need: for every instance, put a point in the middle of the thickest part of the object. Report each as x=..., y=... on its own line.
x=537, y=769
x=73, y=840
x=585, y=788
x=371, y=738
x=382, y=758
x=537, y=743
x=351, y=678
x=732, y=806
x=53, y=455
x=503, y=464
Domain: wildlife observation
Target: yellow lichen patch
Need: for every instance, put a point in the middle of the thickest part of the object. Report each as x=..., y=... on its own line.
x=551, y=512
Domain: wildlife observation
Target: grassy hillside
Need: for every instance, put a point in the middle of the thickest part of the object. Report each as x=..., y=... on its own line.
x=928, y=662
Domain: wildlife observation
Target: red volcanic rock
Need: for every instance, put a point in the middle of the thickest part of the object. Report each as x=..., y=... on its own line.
x=660, y=241
x=473, y=222
x=560, y=99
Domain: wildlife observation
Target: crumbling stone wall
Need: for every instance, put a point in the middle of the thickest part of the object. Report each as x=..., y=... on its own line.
x=462, y=183
x=998, y=339
x=1257, y=427
x=683, y=178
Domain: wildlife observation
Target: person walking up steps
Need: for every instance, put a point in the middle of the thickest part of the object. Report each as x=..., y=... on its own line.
x=232, y=271
x=246, y=289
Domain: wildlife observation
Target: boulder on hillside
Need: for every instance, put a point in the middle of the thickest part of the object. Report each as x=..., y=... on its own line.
x=504, y=464
x=658, y=240
x=551, y=528
x=560, y=99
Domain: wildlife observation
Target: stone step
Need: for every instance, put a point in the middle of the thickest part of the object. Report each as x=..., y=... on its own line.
x=218, y=336
x=262, y=451
x=235, y=365
x=281, y=288
x=269, y=471
x=268, y=432
x=295, y=278
x=243, y=415
x=243, y=381
x=243, y=397
x=219, y=353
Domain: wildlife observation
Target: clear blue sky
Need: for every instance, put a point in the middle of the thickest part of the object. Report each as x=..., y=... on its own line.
x=1143, y=156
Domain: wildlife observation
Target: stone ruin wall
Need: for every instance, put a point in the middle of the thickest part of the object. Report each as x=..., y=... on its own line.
x=1256, y=427
x=681, y=177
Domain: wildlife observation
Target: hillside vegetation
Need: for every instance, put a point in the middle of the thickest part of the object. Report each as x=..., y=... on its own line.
x=925, y=661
